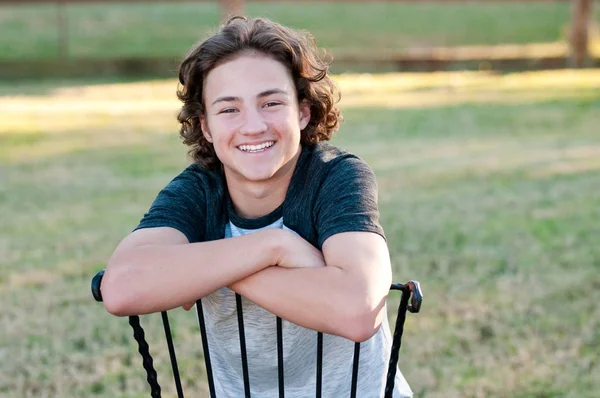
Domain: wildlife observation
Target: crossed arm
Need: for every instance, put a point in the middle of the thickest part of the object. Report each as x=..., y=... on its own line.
x=340, y=291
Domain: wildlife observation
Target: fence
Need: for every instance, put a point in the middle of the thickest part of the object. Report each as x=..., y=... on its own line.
x=506, y=58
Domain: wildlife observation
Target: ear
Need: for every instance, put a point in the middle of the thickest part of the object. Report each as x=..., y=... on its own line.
x=304, y=113
x=205, y=130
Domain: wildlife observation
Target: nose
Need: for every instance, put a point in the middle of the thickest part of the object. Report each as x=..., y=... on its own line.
x=253, y=123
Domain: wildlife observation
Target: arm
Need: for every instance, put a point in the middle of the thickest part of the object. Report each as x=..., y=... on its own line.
x=168, y=260
x=345, y=298
x=157, y=269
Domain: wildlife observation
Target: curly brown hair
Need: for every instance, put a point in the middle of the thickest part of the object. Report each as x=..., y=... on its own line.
x=294, y=49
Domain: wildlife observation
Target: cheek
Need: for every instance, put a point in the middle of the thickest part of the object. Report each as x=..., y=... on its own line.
x=221, y=132
x=285, y=123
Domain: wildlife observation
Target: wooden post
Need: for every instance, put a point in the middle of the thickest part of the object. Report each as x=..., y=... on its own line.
x=231, y=8
x=63, y=30
x=579, y=36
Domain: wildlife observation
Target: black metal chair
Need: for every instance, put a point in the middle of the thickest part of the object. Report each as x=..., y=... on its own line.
x=411, y=291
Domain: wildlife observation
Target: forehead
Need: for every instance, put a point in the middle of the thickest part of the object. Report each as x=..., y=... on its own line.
x=247, y=75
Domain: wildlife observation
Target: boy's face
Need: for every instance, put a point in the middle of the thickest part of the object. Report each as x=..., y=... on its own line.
x=253, y=118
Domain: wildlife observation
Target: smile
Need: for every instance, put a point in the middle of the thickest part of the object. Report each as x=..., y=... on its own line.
x=256, y=148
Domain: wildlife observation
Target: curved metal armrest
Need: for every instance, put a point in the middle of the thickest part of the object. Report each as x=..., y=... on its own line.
x=416, y=299
x=96, y=282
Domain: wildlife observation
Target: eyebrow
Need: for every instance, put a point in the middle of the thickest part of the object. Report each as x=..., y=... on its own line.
x=263, y=94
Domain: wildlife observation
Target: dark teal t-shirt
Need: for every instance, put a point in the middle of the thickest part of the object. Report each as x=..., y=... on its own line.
x=331, y=191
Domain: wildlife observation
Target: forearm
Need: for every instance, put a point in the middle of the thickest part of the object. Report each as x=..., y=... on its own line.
x=153, y=278
x=330, y=299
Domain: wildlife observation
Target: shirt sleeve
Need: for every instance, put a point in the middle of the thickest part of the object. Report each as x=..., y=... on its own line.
x=180, y=205
x=347, y=200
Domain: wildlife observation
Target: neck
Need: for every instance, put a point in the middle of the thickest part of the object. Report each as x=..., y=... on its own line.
x=258, y=198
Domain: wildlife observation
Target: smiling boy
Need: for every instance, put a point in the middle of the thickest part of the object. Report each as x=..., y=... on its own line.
x=268, y=210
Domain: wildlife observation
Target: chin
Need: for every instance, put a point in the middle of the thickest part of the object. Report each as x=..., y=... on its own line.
x=259, y=176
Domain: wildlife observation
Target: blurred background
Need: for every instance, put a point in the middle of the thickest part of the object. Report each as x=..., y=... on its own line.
x=481, y=120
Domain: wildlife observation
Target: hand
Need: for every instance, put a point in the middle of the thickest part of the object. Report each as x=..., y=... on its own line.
x=188, y=306
x=295, y=252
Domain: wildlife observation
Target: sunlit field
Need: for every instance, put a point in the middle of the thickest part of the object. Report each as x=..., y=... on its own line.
x=489, y=195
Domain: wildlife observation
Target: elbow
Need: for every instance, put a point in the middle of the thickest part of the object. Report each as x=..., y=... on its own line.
x=115, y=305
x=115, y=298
x=360, y=327
x=362, y=332
x=362, y=316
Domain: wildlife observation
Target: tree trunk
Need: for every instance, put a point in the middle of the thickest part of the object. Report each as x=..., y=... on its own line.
x=231, y=8
x=579, y=36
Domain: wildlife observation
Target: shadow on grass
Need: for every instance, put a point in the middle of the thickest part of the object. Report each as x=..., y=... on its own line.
x=45, y=86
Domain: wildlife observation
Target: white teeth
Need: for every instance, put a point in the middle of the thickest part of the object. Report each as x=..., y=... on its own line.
x=256, y=148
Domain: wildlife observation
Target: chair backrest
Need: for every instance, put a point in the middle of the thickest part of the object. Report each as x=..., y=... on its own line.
x=411, y=300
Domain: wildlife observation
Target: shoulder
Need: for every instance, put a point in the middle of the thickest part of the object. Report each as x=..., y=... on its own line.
x=345, y=196
x=326, y=170
x=324, y=165
x=183, y=204
x=326, y=158
x=326, y=180
x=200, y=174
x=323, y=153
x=335, y=163
x=197, y=178
x=195, y=186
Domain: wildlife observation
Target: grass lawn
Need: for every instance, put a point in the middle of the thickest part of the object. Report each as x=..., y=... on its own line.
x=162, y=29
x=489, y=195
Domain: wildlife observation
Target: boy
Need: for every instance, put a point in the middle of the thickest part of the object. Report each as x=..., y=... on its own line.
x=268, y=210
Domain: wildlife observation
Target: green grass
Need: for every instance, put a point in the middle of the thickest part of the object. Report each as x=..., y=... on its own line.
x=493, y=206
x=161, y=29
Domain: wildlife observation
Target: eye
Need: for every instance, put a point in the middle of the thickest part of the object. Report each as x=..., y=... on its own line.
x=227, y=110
x=271, y=104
